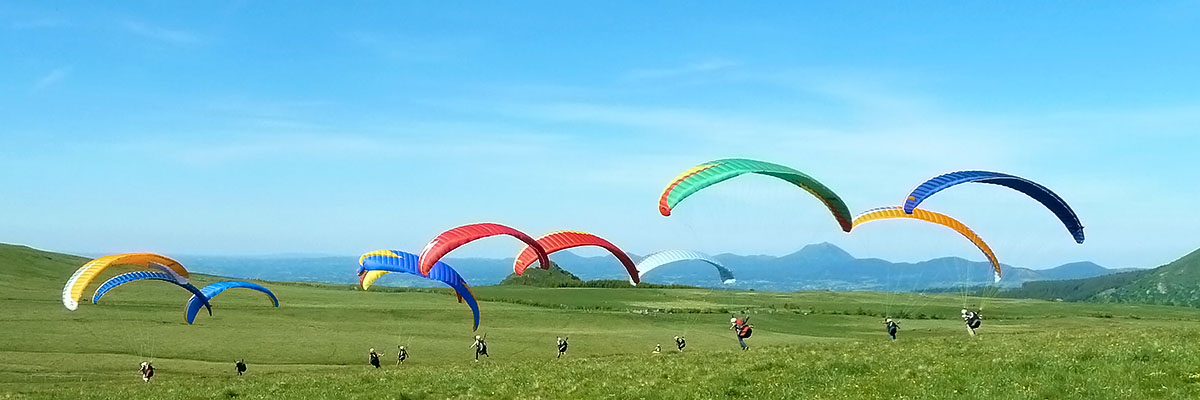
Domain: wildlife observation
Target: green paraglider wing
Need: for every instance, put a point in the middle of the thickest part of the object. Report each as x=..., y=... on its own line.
x=713, y=172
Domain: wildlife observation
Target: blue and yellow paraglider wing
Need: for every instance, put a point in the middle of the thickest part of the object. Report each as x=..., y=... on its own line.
x=380, y=262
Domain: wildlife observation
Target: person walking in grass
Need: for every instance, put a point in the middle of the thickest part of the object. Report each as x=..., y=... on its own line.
x=562, y=346
x=373, y=358
x=480, y=348
x=401, y=355
x=972, y=319
x=240, y=366
x=892, y=327
x=680, y=342
x=147, y=371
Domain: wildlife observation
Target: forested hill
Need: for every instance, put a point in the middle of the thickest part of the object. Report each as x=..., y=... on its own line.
x=1176, y=283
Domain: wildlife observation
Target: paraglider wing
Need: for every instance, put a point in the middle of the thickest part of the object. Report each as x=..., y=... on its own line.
x=936, y=218
x=1043, y=195
x=380, y=262
x=212, y=290
x=83, y=276
x=146, y=275
x=167, y=270
x=562, y=240
x=713, y=172
x=671, y=256
x=452, y=239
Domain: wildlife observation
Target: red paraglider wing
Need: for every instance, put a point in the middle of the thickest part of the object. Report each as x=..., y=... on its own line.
x=452, y=239
x=562, y=240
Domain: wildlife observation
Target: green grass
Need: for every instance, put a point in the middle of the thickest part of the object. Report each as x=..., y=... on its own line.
x=819, y=345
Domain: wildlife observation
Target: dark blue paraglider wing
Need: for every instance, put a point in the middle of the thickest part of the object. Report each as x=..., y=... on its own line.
x=1042, y=194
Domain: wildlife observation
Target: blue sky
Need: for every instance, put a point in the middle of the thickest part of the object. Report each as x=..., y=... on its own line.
x=244, y=128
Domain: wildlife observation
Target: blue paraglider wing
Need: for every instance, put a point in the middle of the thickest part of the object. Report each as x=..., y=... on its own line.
x=122, y=279
x=1043, y=195
x=212, y=290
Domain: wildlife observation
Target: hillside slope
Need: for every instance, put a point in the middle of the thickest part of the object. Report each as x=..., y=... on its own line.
x=25, y=270
x=1073, y=289
x=1177, y=284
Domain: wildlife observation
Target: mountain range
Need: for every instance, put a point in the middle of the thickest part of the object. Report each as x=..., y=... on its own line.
x=817, y=266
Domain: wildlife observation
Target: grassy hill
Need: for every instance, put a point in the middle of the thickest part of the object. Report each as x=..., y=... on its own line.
x=820, y=345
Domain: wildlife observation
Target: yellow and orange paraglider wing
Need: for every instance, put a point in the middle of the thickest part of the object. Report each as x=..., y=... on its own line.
x=82, y=277
x=936, y=218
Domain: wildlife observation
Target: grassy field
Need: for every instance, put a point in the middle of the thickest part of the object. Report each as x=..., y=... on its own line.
x=820, y=345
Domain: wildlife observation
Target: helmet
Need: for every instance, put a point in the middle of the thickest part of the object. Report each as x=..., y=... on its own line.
x=401, y=347
x=477, y=337
x=887, y=320
x=964, y=311
x=733, y=320
x=677, y=338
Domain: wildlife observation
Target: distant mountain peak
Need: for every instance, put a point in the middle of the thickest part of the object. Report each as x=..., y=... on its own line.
x=1078, y=265
x=821, y=251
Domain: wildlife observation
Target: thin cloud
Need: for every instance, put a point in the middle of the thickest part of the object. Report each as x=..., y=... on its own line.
x=162, y=34
x=51, y=78
x=683, y=70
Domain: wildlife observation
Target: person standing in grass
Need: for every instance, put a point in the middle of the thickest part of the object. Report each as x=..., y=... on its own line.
x=680, y=342
x=401, y=355
x=373, y=357
x=240, y=366
x=562, y=346
x=480, y=348
x=892, y=327
x=973, y=320
x=147, y=371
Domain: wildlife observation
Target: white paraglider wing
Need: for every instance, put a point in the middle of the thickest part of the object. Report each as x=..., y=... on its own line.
x=672, y=256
